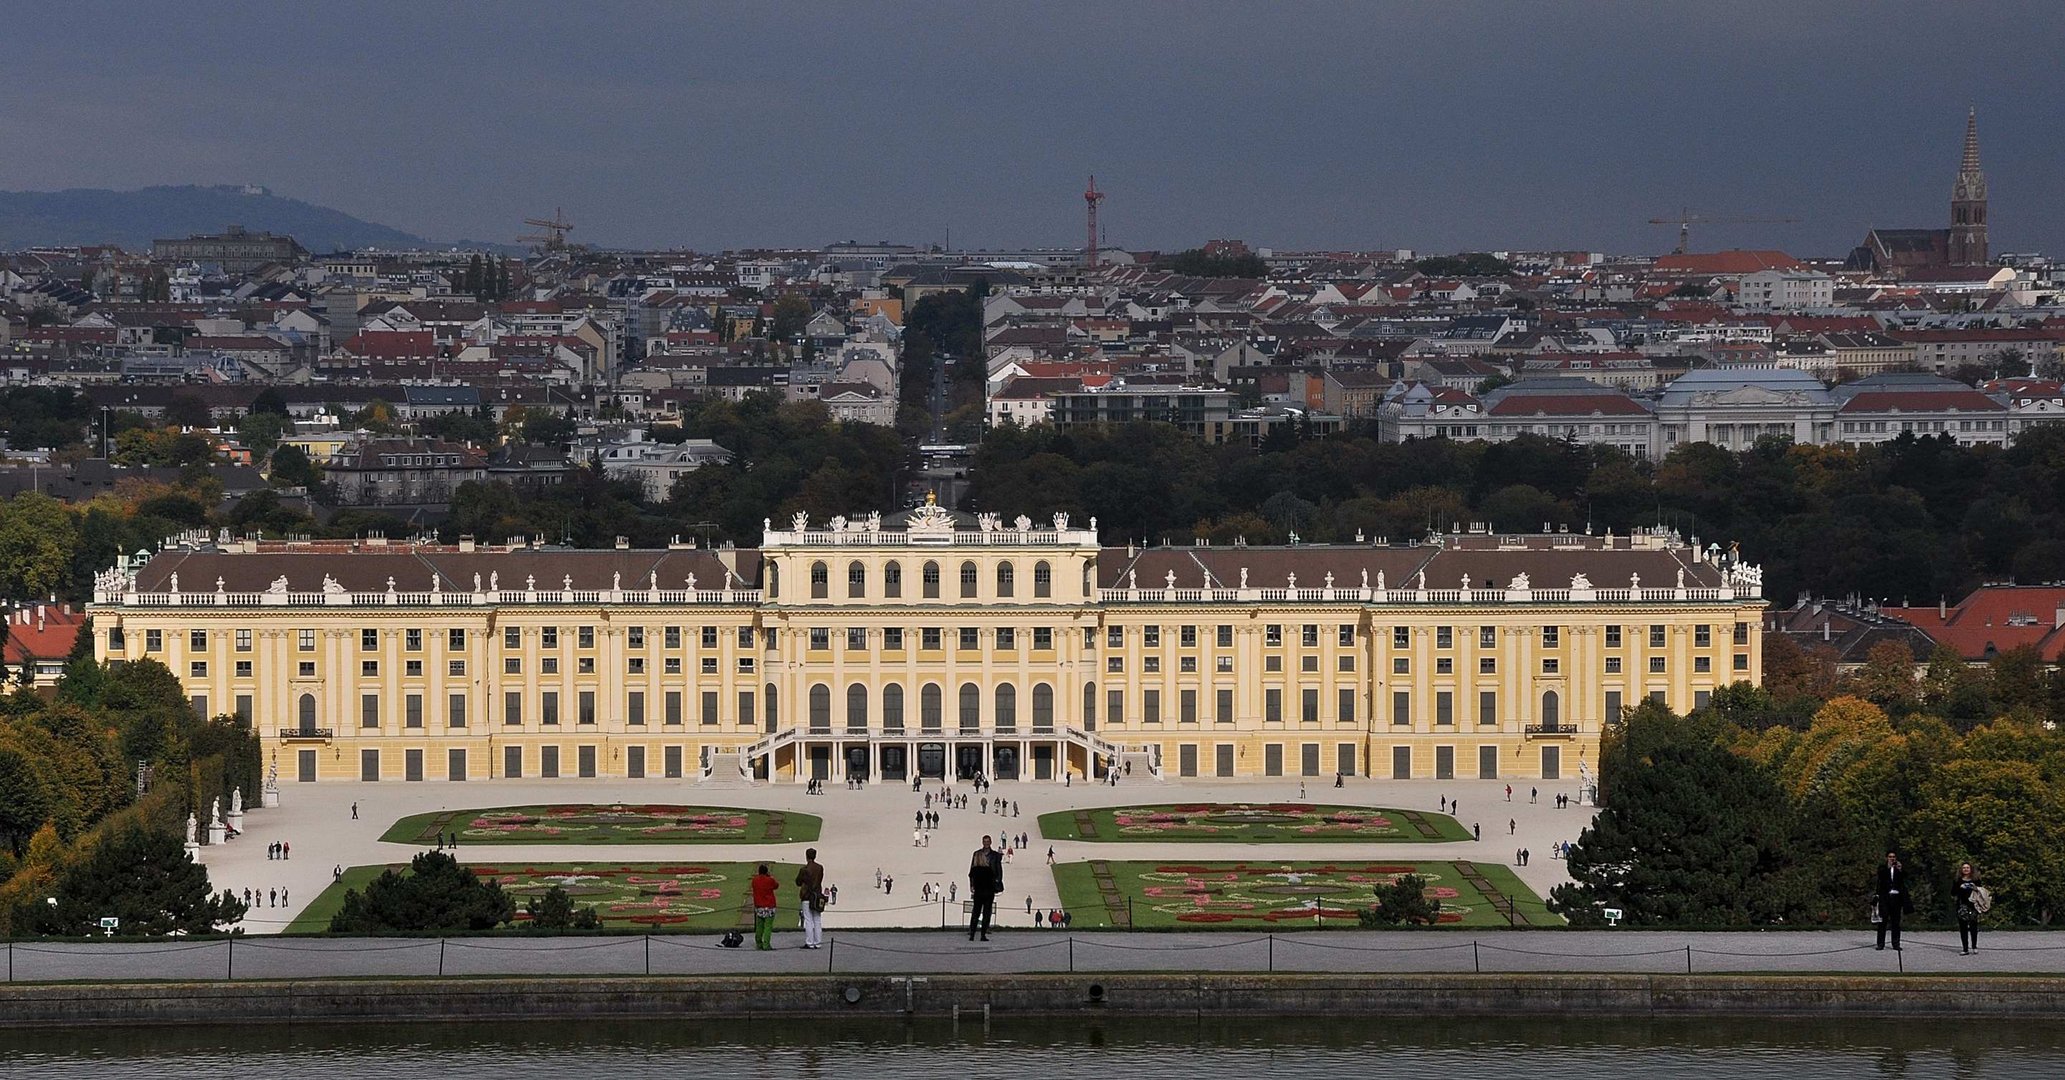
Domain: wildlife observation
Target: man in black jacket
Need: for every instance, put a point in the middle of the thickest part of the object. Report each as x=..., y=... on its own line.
x=1893, y=899
x=985, y=881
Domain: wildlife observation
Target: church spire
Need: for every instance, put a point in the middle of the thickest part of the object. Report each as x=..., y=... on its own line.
x=1967, y=244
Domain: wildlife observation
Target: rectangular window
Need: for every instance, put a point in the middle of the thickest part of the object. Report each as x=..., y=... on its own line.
x=968, y=637
x=671, y=638
x=1151, y=637
x=634, y=665
x=1115, y=663
x=709, y=637
x=548, y=762
x=369, y=639
x=1346, y=635
x=1552, y=637
x=549, y=637
x=673, y=704
x=1272, y=663
x=1223, y=706
x=709, y=665
x=1444, y=637
x=1186, y=637
x=1186, y=705
x=455, y=639
x=243, y=669
x=1701, y=664
x=154, y=640
x=1043, y=639
x=634, y=708
x=1115, y=707
x=1487, y=637
x=1702, y=635
x=1401, y=707
x=1223, y=636
x=820, y=639
x=307, y=640
x=1400, y=665
x=1444, y=665
x=1742, y=661
x=1656, y=637
x=369, y=710
x=1272, y=759
x=928, y=638
x=512, y=665
x=1308, y=636
x=1487, y=708
x=672, y=665
x=1308, y=705
x=585, y=707
x=512, y=637
x=856, y=639
x=412, y=640
x=585, y=637
x=746, y=708
x=512, y=708
x=1742, y=633
x=1656, y=665
x=1613, y=665
x=1444, y=709
x=243, y=641
x=412, y=668
x=1115, y=637
x=1151, y=707
x=198, y=669
x=244, y=707
x=892, y=639
x=1346, y=706
x=1550, y=665
x=369, y=668
x=455, y=714
x=746, y=638
x=1272, y=705
x=549, y=713
x=1613, y=706
x=1401, y=637
x=1272, y=635
x=1487, y=665
x=709, y=708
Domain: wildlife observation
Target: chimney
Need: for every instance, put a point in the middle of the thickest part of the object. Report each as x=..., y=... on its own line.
x=466, y=542
x=2058, y=618
x=40, y=616
x=1827, y=634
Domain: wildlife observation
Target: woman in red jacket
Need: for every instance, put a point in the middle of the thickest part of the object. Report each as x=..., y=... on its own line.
x=763, y=908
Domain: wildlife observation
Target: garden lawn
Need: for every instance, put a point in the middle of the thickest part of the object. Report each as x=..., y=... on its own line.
x=1252, y=823
x=634, y=896
x=620, y=823
x=1172, y=894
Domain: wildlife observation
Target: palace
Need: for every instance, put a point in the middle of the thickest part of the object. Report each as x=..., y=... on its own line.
x=934, y=644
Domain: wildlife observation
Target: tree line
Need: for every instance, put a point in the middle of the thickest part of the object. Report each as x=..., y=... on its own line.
x=1773, y=805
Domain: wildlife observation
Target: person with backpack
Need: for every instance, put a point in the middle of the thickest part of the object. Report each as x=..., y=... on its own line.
x=1972, y=900
x=810, y=896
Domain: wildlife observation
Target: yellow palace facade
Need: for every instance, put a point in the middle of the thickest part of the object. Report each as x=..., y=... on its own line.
x=937, y=645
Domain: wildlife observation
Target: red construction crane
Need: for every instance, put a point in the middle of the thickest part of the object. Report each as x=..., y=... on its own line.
x=1091, y=197
x=1686, y=219
x=555, y=229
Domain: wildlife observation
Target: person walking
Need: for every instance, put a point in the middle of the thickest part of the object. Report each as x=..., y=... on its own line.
x=763, y=886
x=985, y=881
x=354, y=811
x=1893, y=900
x=810, y=897
x=1970, y=897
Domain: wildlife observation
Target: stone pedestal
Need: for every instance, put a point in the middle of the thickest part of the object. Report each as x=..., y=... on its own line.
x=217, y=834
x=235, y=819
x=193, y=851
x=270, y=798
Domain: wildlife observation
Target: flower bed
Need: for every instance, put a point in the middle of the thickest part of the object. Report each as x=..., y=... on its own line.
x=1251, y=822
x=616, y=823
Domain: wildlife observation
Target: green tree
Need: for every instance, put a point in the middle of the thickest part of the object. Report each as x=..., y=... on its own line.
x=24, y=801
x=270, y=400
x=187, y=410
x=292, y=468
x=143, y=877
x=1403, y=901
x=436, y=894
x=260, y=432
x=37, y=539
x=555, y=910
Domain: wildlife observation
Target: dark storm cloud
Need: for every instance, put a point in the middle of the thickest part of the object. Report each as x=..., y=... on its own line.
x=1435, y=126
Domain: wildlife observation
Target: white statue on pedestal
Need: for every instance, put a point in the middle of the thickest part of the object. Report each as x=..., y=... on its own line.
x=215, y=812
x=236, y=801
x=192, y=829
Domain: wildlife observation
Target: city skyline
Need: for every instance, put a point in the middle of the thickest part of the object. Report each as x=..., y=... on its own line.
x=1367, y=128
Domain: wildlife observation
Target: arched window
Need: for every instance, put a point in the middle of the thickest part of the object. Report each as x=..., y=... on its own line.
x=1007, y=707
x=931, y=707
x=1043, y=581
x=856, y=707
x=892, y=580
x=971, y=707
x=1007, y=579
x=1090, y=706
x=770, y=704
x=820, y=706
x=820, y=581
x=307, y=712
x=892, y=707
x=856, y=580
x=967, y=581
x=1551, y=710
x=931, y=575
x=1043, y=707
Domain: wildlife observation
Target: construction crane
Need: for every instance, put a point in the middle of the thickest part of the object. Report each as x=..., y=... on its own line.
x=1091, y=197
x=554, y=236
x=1685, y=219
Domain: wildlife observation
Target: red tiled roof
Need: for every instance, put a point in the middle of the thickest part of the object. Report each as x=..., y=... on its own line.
x=47, y=634
x=1995, y=618
x=1726, y=262
x=1914, y=401
x=1567, y=405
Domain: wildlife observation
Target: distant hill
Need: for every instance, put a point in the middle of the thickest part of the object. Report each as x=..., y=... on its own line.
x=132, y=219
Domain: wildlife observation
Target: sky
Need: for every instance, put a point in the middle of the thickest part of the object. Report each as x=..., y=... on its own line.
x=1439, y=127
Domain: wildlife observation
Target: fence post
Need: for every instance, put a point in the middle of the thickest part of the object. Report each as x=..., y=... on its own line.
x=440, y=957
x=1476, y=964
x=1688, y=959
x=10, y=960
x=231, y=973
x=1272, y=952
x=1071, y=955
x=648, y=954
